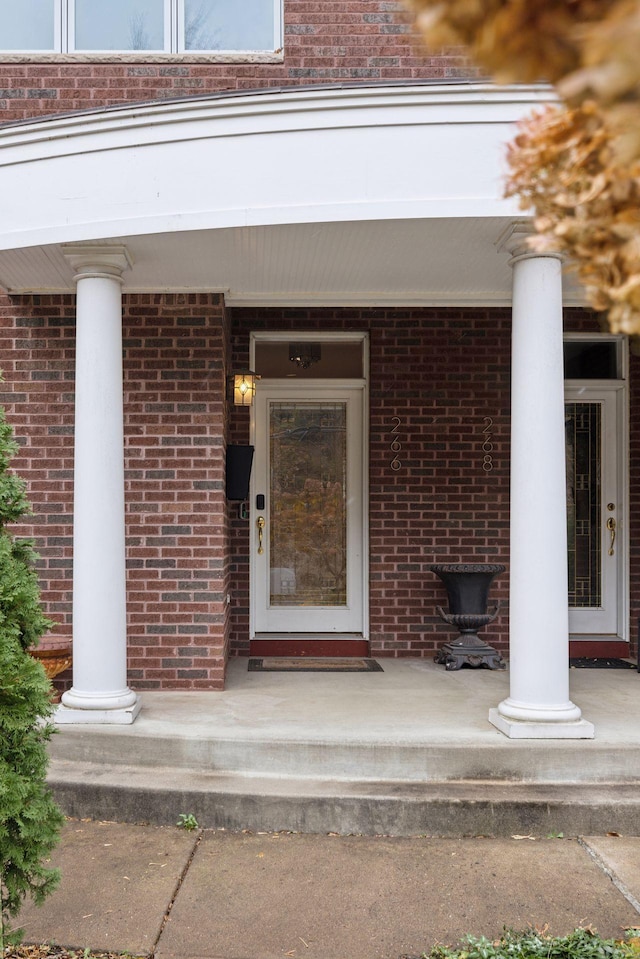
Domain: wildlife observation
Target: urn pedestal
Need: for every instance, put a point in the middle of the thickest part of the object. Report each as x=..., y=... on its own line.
x=467, y=586
x=55, y=659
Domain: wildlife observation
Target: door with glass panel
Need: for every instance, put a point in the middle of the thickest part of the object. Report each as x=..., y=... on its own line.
x=595, y=515
x=307, y=515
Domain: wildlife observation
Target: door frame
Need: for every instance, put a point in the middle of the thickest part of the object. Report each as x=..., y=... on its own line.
x=362, y=384
x=594, y=389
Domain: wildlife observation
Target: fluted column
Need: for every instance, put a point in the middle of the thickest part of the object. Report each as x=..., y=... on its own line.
x=99, y=693
x=538, y=705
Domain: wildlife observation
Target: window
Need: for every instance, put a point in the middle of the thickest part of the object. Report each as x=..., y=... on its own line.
x=592, y=359
x=140, y=26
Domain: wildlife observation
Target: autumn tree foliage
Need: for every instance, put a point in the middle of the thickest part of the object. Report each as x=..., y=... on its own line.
x=576, y=165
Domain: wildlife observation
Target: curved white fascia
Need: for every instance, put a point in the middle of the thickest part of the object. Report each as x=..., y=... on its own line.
x=290, y=157
x=289, y=109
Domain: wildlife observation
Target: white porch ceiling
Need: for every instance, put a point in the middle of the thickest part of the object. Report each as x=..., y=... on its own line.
x=394, y=262
x=397, y=261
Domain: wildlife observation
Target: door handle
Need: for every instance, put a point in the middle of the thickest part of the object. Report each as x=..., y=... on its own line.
x=611, y=526
x=260, y=523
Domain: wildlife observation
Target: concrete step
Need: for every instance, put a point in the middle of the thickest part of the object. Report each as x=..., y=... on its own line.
x=351, y=759
x=159, y=794
x=405, y=751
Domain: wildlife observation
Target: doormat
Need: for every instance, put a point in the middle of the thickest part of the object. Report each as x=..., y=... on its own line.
x=588, y=662
x=305, y=664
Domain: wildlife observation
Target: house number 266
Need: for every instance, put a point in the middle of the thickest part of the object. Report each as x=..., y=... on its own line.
x=396, y=446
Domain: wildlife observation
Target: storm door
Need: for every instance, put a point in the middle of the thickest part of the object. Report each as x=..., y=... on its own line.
x=307, y=509
x=595, y=514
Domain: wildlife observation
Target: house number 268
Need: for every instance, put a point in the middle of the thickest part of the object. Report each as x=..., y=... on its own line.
x=487, y=445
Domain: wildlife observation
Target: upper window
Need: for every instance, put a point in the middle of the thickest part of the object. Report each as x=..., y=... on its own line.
x=140, y=26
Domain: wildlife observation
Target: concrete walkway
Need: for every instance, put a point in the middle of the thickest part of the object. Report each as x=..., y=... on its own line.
x=405, y=751
x=163, y=892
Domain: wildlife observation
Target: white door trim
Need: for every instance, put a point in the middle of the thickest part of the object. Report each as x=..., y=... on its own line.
x=328, y=384
x=592, y=390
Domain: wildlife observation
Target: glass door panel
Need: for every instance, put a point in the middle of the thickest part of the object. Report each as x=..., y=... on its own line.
x=593, y=512
x=583, y=423
x=308, y=504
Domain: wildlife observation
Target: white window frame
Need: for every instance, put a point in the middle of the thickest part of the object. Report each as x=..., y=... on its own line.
x=69, y=13
x=179, y=22
x=64, y=37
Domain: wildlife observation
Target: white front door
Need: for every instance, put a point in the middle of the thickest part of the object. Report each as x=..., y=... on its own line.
x=595, y=511
x=307, y=522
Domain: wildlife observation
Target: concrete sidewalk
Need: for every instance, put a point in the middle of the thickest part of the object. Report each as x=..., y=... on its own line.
x=163, y=892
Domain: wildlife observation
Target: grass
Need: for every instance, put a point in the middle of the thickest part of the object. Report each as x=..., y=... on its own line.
x=531, y=944
x=52, y=951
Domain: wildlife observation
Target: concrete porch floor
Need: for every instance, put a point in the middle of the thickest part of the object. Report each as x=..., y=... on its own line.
x=397, y=751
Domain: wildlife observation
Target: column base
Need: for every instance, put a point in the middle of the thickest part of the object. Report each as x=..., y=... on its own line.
x=122, y=716
x=529, y=729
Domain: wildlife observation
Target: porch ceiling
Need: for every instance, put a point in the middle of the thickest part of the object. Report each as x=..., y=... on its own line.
x=328, y=196
x=411, y=262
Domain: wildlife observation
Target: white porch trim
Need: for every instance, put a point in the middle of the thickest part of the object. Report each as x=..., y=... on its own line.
x=99, y=693
x=538, y=705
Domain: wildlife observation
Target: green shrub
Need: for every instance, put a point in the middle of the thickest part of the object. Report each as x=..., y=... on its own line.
x=30, y=820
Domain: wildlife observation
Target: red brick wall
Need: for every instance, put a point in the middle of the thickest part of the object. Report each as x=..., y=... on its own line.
x=634, y=501
x=175, y=367
x=440, y=371
x=353, y=41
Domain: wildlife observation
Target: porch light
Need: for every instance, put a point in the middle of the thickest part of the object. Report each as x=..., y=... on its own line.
x=304, y=354
x=244, y=388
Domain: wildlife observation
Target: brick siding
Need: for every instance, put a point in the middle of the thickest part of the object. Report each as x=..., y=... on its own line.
x=175, y=367
x=359, y=41
x=440, y=371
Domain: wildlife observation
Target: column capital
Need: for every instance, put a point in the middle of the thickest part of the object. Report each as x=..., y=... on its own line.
x=97, y=260
x=514, y=240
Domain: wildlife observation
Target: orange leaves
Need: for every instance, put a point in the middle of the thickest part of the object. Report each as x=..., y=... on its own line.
x=578, y=167
x=587, y=204
x=517, y=40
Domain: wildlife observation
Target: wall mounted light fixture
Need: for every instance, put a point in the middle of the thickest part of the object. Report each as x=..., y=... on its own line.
x=244, y=388
x=305, y=354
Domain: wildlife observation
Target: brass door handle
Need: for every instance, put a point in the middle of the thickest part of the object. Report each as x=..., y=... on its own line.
x=611, y=526
x=260, y=523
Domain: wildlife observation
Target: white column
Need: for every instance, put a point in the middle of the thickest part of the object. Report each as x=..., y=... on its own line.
x=99, y=693
x=538, y=706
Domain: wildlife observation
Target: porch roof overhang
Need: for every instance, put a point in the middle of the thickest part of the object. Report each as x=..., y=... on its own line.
x=341, y=195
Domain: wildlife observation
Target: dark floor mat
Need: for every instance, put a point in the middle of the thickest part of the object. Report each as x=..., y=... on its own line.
x=302, y=664
x=588, y=662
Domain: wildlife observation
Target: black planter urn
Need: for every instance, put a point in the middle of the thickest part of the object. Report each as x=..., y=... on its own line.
x=467, y=586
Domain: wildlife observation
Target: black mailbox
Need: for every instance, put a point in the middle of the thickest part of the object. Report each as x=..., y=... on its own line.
x=239, y=460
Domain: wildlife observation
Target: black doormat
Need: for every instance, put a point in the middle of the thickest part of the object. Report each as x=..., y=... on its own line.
x=307, y=664
x=589, y=662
